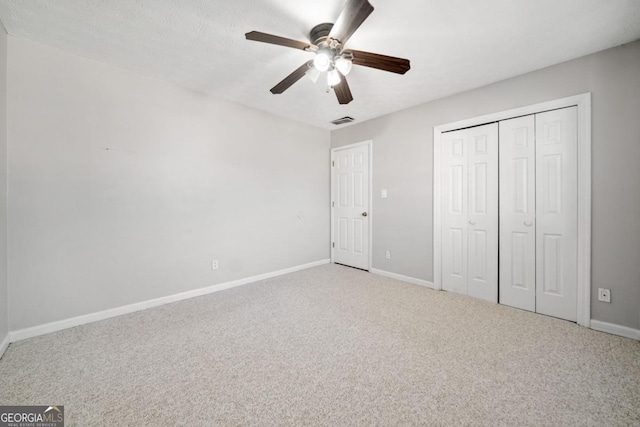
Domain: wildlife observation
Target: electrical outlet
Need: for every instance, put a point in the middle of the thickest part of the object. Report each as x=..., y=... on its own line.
x=604, y=295
x=214, y=264
x=383, y=194
x=388, y=254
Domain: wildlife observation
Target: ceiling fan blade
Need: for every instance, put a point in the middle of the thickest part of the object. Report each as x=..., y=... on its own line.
x=342, y=91
x=280, y=41
x=351, y=17
x=381, y=62
x=290, y=79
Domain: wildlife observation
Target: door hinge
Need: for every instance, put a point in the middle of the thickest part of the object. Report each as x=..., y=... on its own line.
x=333, y=163
x=333, y=244
x=333, y=204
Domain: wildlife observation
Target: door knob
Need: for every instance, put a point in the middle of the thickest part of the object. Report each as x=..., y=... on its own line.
x=528, y=223
x=364, y=214
x=472, y=222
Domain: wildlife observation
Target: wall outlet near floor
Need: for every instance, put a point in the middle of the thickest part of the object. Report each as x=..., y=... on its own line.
x=214, y=264
x=388, y=254
x=604, y=295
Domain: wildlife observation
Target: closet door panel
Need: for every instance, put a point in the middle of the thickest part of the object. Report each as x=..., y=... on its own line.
x=556, y=213
x=454, y=211
x=483, y=212
x=517, y=213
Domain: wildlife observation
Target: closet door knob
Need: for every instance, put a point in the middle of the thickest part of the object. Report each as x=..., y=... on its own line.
x=528, y=223
x=472, y=222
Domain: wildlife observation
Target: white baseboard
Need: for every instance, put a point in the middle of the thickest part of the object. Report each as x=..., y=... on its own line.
x=47, y=328
x=611, y=328
x=4, y=345
x=407, y=279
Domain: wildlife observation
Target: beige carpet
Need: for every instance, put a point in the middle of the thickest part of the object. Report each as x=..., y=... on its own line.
x=329, y=346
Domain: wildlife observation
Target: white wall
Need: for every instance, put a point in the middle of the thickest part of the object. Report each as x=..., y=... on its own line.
x=403, y=164
x=4, y=305
x=123, y=188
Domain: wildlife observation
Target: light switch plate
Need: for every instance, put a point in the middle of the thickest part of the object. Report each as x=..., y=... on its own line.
x=383, y=194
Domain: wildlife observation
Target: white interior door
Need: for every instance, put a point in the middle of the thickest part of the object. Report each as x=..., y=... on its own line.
x=351, y=206
x=454, y=211
x=470, y=212
x=557, y=213
x=483, y=212
x=543, y=212
x=517, y=213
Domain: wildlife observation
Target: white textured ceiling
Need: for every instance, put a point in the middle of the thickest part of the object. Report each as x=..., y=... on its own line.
x=453, y=45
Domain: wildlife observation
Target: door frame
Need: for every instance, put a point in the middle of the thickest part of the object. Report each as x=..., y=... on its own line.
x=583, y=102
x=369, y=144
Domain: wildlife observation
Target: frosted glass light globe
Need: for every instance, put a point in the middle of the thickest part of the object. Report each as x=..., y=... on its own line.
x=343, y=65
x=313, y=74
x=322, y=61
x=333, y=78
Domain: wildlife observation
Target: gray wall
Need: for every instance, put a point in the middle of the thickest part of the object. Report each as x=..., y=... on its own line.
x=123, y=188
x=403, y=164
x=4, y=305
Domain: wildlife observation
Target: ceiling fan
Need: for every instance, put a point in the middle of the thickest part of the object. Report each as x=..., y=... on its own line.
x=327, y=42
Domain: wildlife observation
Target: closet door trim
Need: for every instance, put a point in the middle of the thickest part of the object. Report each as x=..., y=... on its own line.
x=583, y=102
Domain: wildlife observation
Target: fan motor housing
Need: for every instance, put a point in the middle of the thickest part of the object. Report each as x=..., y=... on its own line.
x=320, y=33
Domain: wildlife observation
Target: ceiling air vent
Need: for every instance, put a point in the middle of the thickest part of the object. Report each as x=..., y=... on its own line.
x=343, y=120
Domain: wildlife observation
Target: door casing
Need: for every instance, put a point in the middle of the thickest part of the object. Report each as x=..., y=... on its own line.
x=369, y=145
x=583, y=102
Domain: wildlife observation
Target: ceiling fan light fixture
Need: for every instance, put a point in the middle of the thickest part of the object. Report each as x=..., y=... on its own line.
x=343, y=65
x=327, y=42
x=322, y=61
x=333, y=78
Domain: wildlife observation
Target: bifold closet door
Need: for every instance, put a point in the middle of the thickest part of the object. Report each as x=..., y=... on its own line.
x=538, y=213
x=518, y=213
x=557, y=213
x=470, y=212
